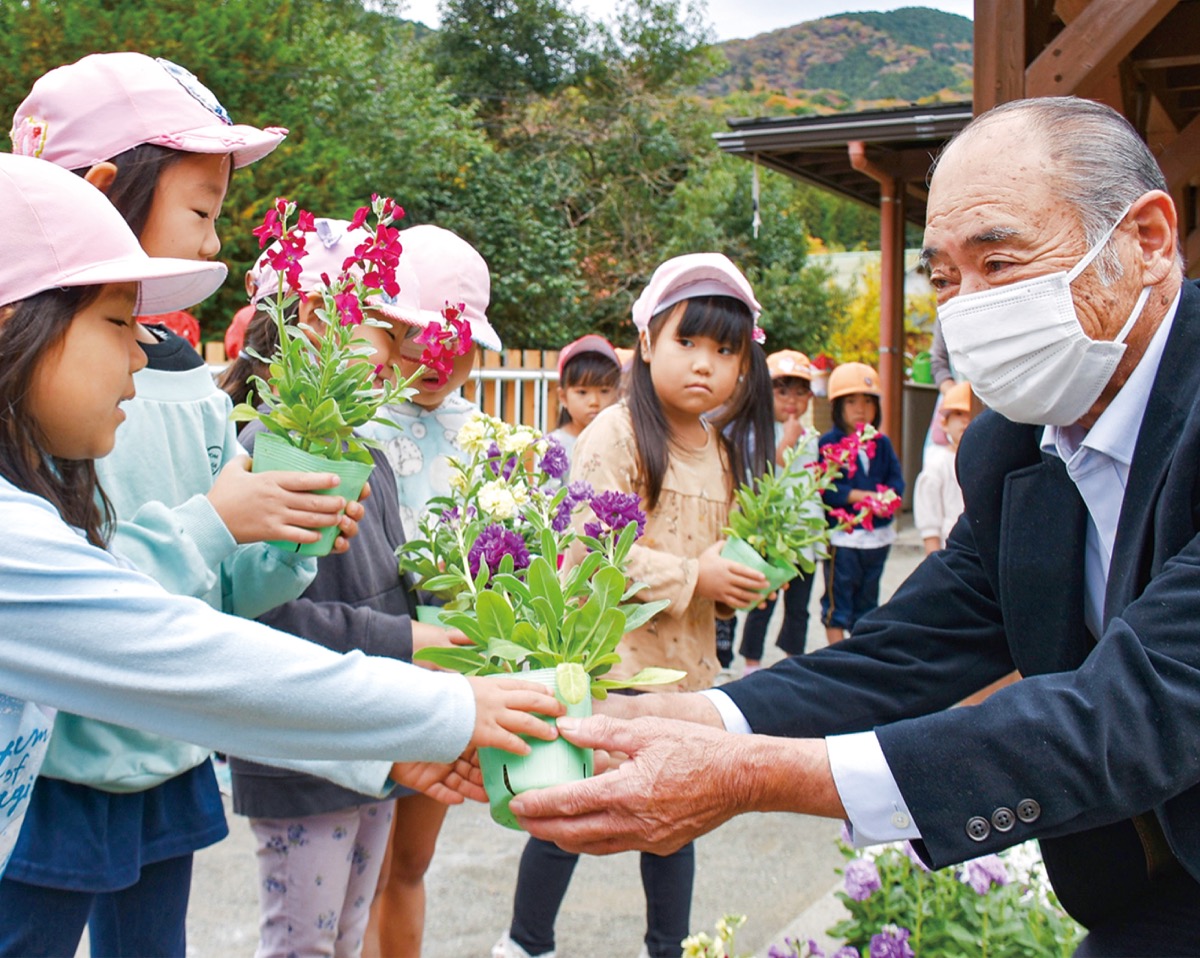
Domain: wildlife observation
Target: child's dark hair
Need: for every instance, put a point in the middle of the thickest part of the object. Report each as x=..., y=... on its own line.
x=29, y=330
x=584, y=370
x=262, y=337
x=727, y=320
x=138, y=170
x=839, y=417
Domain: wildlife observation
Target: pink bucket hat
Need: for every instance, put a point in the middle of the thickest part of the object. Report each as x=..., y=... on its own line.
x=96, y=108
x=592, y=343
x=450, y=271
x=324, y=253
x=689, y=276
x=60, y=230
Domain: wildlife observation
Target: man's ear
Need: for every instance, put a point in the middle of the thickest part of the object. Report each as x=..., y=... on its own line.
x=102, y=176
x=1158, y=235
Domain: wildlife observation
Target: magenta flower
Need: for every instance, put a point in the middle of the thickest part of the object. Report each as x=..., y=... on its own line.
x=287, y=256
x=349, y=308
x=862, y=879
x=444, y=345
x=891, y=942
x=493, y=544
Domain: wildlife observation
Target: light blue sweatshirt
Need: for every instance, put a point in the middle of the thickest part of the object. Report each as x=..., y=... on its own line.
x=175, y=439
x=81, y=631
x=419, y=452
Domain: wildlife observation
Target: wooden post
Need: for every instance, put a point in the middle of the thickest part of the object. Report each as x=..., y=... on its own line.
x=1000, y=55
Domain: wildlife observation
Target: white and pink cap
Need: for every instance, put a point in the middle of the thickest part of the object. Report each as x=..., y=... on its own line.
x=59, y=230
x=688, y=277
x=96, y=108
x=324, y=253
x=451, y=272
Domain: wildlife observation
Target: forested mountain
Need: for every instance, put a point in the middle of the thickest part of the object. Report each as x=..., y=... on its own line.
x=850, y=62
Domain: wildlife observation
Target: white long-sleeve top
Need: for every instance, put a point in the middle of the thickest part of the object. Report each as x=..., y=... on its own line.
x=82, y=632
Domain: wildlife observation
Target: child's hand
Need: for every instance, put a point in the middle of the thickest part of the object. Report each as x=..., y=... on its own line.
x=448, y=784
x=724, y=580
x=256, y=506
x=502, y=712
x=426, y=636
x=348, y=523
x=793, y=429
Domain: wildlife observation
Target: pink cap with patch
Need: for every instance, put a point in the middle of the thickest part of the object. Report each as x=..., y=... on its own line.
x=96, y=108
x=59, y=230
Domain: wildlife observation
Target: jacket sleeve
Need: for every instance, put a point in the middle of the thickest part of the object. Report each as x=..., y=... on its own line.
x=82, y=633
x=344, y=627
x=893, y=475
x=606, y=456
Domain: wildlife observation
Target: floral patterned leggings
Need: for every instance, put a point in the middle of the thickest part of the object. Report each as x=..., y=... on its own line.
x=317, y=876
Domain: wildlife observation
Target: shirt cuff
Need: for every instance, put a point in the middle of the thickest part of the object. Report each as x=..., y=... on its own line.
x=873, y=803
x=731, y=715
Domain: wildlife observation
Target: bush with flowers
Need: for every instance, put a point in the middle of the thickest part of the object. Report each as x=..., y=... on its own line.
x=493, y=549
x=782, y=517
x=997, y=906
x=320, y=388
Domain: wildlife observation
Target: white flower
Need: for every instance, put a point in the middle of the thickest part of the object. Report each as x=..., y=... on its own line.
x=517, y=440
x=496, y=499
x=472, y=437
x=458, y=481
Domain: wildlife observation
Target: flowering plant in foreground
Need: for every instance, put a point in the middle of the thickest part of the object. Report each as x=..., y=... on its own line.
x=321, y=388
x=493, y=549
x=997, y=906
x=782, y=515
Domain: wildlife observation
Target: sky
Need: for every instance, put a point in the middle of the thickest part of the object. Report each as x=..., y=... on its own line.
x=739, y=19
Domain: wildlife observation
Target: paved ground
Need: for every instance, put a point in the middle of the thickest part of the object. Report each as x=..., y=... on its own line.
x=771, y=867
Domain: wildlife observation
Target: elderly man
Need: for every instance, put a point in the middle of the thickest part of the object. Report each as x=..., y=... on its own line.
x=1054, y=249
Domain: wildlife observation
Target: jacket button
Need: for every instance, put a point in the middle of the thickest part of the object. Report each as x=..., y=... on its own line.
x=978, y=828
x=1028, y=810
x=1003, y=819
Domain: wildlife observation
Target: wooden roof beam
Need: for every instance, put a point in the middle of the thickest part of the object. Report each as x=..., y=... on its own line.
x=1092, y=45
x=1180, y=161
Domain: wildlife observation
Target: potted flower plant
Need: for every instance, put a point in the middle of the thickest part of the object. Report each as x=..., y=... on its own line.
x=493, y=550
x=322, y=386
x=779, y=524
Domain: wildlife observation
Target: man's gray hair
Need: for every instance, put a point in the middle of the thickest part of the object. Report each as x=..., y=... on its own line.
x=1099, y=163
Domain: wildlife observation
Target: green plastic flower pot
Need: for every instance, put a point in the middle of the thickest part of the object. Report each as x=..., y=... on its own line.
x=548, y=763
x=429, y=614
x=777, y=573
x=273, y=453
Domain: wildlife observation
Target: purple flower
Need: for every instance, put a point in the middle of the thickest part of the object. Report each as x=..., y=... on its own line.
x=847, y=951
x=579, y=491
x=494, y=457
x=911, y=854
x=615, y=510
x=784, y=951
x=862, y=878
x=493, y=544
x=982, y=873
x=562, y=516
x=891, y=942
x=555, y=463
x=814, y=951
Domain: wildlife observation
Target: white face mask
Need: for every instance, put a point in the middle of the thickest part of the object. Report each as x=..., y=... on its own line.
x=1023, y=351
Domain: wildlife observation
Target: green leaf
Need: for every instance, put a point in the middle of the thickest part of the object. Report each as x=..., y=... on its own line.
x=543, y=580
x=496, y=617
x=638, y=614
x=466, y=661
x=574, y=683
x=509, y=651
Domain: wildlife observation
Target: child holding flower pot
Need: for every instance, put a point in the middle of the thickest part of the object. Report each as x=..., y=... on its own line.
x=791, y=389
x=149, y=136
x=455, y=289
x=308, y=828
x=857, y=555
x=696, y=324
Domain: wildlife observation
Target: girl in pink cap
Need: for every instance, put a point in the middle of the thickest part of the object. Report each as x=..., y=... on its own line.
x=81, y=629
x=677, y=440
x=152, y=138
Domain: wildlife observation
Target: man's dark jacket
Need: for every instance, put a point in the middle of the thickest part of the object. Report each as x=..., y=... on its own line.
x=1097, y=751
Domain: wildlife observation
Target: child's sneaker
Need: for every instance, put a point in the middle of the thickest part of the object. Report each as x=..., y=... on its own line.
x=507, y=948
